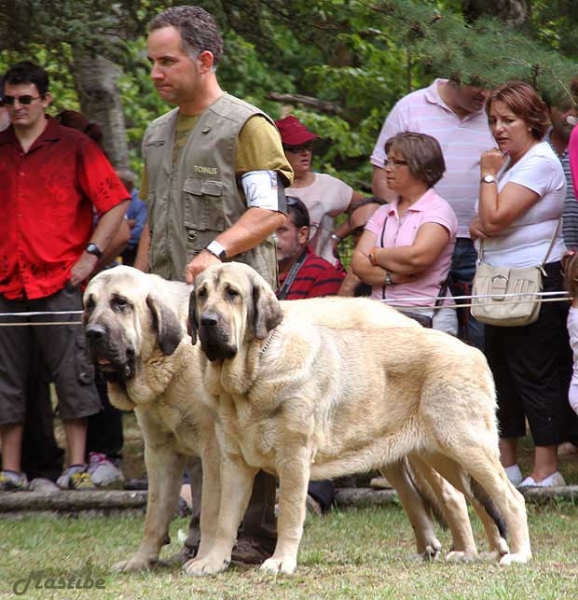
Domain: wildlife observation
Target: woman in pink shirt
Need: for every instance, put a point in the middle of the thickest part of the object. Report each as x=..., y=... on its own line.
x=406, y=249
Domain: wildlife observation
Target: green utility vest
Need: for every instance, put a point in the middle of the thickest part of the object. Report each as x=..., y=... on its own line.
x=190, y=203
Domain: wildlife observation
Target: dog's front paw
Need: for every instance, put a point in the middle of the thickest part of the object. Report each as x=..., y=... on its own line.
x=516, y=557
x=211, y=564
x=136, y=563
x=274, y=565
x=460, y=556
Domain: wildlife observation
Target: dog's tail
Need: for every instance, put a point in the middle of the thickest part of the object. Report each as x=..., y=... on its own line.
x=480, y=494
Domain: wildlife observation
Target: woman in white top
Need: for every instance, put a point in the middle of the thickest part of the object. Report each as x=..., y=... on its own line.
x=522, y=190
x=324, y=196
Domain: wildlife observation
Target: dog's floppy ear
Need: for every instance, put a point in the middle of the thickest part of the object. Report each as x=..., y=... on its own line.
x=166, y=325
x=192, y=321
x=267, y=312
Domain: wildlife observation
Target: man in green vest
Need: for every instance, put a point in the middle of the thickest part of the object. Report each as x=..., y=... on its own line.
x=214, y=180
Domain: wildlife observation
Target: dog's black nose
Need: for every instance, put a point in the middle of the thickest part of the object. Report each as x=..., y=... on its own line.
x=94, y=332
x=209, y=319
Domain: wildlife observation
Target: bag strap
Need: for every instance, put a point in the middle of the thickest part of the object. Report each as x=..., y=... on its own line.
x=552, y=242
x=282, y=293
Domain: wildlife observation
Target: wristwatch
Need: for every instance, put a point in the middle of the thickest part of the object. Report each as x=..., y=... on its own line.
x=217, y=249
x=93, y=249
x=488, y=179
x=388, y=280
x=335, y=237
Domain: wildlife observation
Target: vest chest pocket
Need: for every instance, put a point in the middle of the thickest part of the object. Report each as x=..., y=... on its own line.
x=203, y=204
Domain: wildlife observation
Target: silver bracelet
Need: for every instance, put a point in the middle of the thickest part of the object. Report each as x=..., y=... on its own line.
x=335, y=237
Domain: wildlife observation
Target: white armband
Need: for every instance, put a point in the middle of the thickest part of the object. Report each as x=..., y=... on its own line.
x=262, y=189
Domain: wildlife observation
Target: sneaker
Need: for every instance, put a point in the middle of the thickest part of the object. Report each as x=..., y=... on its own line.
x=76, y=477
x=553, y=480
x=104, y=472
x=11, y=481
x=514, y=474
x=44, y=486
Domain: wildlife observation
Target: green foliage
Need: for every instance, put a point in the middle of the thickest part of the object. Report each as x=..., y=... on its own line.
x=360, y=56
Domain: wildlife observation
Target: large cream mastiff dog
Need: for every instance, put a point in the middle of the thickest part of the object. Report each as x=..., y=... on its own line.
x=308, y=400
x=134, y=324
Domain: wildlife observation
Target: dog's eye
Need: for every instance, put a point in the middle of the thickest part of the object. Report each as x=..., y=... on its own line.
x=119, y=304
x=89, y=304
x=202, y=294
x=231, y=293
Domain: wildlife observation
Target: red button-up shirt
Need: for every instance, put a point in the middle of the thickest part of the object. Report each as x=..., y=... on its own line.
x=48, y=196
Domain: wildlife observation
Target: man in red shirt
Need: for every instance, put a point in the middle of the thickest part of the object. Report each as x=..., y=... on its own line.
x=303, y=274
x=52, y=179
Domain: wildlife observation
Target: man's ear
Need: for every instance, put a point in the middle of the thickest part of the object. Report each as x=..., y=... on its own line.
x=206, y=61
x=303, y=235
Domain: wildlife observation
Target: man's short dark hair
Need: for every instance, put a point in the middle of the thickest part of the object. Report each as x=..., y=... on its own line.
x=28, y=72
x=198, y=29
x=297, y=212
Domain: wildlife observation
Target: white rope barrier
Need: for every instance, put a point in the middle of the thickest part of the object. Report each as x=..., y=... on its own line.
x=560, y=296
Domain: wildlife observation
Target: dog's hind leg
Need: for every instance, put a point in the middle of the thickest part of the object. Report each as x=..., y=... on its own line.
x=486, y=510
x=448, y=501
x=237, y=479
x=483, y=465
x=428, y=546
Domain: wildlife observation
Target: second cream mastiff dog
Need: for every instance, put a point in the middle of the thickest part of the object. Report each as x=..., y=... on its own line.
x=324, y=388
x=135, y=328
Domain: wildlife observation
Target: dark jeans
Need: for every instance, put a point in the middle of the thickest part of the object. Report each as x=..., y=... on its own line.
x=105, y=433
x=461, y=278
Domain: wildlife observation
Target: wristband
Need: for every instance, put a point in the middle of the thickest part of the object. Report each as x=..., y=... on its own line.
x=388, y=280
x=217, y=249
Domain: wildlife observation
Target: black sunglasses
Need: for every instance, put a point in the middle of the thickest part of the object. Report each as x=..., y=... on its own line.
x=24, y=100
x=298, y=149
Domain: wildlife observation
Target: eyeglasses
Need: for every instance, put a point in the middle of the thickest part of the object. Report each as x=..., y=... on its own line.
x=394, y=163
x=24, y=100
x=298, y=149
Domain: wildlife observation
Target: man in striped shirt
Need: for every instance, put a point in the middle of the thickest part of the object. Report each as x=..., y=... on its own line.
x=454, y=114
x=302, y=274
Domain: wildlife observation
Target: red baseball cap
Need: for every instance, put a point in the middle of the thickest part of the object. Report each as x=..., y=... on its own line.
x=293, y=132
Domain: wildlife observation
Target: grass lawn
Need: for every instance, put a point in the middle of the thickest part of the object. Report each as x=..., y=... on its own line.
x=363, y=553
x=360, y=554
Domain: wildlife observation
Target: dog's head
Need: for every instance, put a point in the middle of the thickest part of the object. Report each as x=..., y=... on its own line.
x=231, y=305
x=125, y=320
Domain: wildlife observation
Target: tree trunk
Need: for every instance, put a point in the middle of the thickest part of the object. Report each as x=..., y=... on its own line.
x=514, y=12
x=96, y=83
